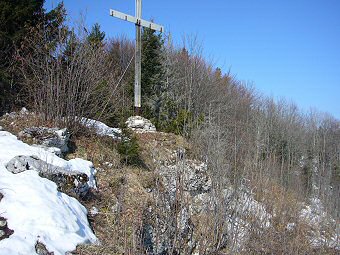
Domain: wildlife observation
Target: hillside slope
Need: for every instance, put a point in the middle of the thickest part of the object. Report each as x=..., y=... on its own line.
x=166, y=202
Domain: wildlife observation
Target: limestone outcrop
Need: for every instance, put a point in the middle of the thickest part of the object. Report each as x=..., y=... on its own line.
x=48, y=137
x=67, y=180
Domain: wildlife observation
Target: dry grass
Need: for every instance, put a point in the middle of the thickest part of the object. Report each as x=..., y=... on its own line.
x=121, y=198
x=157, y=148
x=21, y=121
x=288, y=233
x=99, y=150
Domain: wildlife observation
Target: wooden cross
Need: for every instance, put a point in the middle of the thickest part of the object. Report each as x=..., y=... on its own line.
x=139, y=22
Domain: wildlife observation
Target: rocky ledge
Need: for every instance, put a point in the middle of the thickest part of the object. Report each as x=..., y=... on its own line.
x=66, y=180
x=48, y=138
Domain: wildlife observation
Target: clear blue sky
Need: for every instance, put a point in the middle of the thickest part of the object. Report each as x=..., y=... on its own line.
x=287, y=48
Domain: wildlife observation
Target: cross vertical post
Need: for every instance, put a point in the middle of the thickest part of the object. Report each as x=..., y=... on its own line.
x=138, y=57
x=139, y=22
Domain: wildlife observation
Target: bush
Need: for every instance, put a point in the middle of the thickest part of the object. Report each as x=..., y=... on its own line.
x=128, y=148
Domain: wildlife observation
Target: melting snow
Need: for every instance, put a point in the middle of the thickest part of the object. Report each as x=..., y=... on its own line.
x=101, y=128
x=35, y=209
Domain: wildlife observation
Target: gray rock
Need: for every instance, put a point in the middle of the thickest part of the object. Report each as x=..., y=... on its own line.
x=94, y=211
x=41, y=249
x=192, y=174
x=66, y=180
x=185, y=182
x=24, y=111
x=158, y=235
x=3, y=223
x=140, y=124
x=48, y=137
x=22, y=163
x=13, y=115
x=5, y=232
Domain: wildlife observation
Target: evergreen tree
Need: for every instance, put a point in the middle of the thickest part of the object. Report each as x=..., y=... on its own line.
x=17, y=17
x=153, y=84
x=96, y=36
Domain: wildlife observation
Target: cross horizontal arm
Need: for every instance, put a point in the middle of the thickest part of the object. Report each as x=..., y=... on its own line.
x=141, y=22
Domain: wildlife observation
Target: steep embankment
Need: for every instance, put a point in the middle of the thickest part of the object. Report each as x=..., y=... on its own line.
x=166, y=202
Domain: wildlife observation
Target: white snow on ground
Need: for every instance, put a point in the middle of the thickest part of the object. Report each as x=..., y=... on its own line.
x=101, y=128
x=33, y=207
x=10, y=147
x=86, y=167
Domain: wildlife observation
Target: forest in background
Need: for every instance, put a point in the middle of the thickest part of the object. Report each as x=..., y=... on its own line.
x=243, y=136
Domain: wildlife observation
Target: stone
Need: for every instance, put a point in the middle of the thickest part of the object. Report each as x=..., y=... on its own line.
x=48, y=137
x=41, y=249
x=140, y=124
x=3, y=223
x=13, y=115
x=5, y=232
x=66, y=180
x=23, y=163
x=188, y=179
x=94, y=211
x=193, y=173
x=116, y=208
x=24, y=111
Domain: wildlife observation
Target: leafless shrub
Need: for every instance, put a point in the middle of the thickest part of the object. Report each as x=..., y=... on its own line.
x=66, y=78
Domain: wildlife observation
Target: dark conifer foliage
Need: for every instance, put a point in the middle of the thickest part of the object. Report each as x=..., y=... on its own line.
x=16, y=16
x=152, y=73
x=96, y=36
x=17, y=19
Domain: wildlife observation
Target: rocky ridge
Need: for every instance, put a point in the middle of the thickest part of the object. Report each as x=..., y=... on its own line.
x=182, y=201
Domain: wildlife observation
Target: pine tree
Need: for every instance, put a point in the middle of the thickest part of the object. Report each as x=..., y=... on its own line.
x=96, y=36
x=17, y=17
x=152, y=74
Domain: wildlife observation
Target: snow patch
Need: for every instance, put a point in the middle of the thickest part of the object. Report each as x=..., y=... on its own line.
x=35, y=210
x=10, y=147
x=101, y=128
x=33, y=206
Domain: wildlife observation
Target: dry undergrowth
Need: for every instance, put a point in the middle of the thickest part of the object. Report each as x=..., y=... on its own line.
x=16, y=123
x=122, y=195
x=121, y=198
x=158, y=147
x=288, y=233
